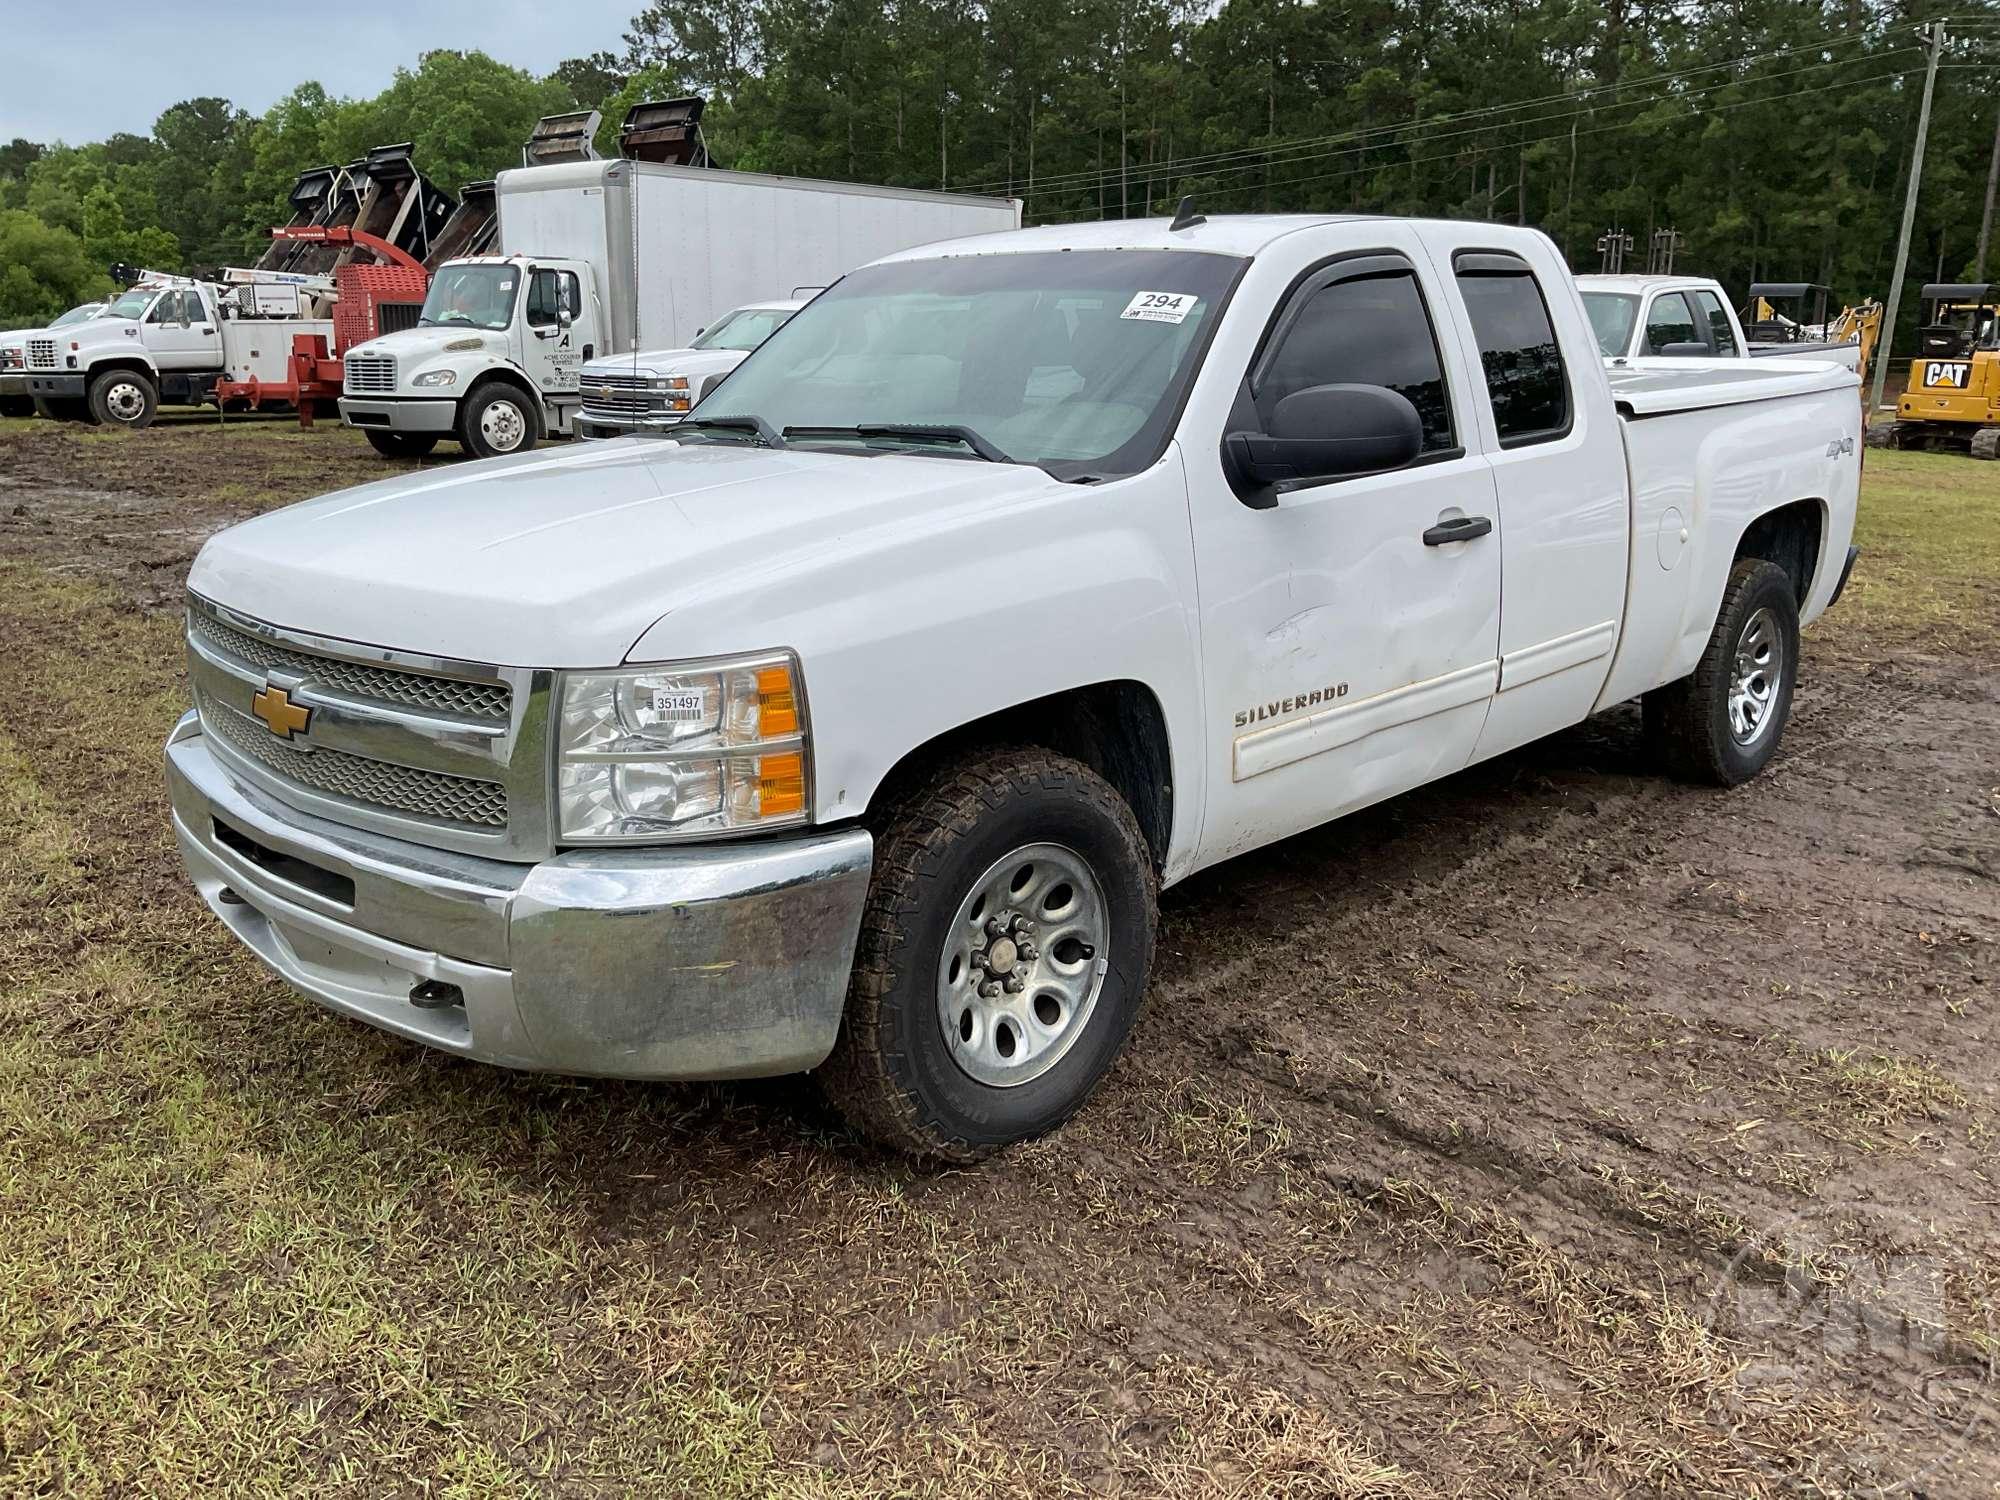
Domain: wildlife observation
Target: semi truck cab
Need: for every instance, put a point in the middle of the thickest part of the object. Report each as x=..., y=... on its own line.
x=492, y=362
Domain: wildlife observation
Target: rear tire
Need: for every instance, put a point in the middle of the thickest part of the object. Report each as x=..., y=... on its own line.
x=496, y=419
x=123, y=398
x=16, y=406
x=928, y=1062
x=1721, y=724
x=400, y=444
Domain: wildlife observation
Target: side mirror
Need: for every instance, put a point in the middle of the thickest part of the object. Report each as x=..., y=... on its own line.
x=1685, y=351
x=564, y=317
x=1325, y=432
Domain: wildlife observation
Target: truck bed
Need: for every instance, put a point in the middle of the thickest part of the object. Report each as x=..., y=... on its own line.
x=1657, y=386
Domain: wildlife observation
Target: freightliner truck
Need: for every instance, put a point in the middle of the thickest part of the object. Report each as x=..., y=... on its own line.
x=602, y=257
x=856, y=725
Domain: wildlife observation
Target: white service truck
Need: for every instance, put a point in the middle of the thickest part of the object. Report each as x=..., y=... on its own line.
x=169, y=339
x=599, y=258
x=856, y=725
x=1684, y=317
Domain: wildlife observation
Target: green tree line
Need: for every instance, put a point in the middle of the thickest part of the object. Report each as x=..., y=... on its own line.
x=1774, y=135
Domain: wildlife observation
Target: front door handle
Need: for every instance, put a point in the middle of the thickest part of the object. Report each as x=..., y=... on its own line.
x=1457, y=529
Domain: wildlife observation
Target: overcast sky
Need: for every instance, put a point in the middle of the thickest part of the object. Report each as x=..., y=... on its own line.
x=79, y=73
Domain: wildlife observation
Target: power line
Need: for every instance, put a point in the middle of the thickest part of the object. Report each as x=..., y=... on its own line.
x=1191, y=165
x=1563, y=135
x=1168, y=172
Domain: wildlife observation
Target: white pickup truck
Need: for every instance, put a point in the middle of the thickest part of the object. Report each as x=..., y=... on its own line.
x=653, y=389
x=1684, y=317
x=14, y=398
x=856, y=726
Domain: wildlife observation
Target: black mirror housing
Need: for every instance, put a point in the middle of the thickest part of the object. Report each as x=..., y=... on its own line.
x=1685, y=351
x=1327, y=432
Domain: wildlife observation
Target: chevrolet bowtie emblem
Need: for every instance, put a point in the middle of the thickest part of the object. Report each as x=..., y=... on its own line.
x=281, y=716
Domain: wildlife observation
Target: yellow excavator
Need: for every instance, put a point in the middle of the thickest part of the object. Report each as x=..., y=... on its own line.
x=1952, y=400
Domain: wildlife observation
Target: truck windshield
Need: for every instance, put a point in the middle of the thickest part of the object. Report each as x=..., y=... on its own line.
x=1075, y=360
x=744, y=329
x=1611, y=319
x=133, y=304
x=471, y=296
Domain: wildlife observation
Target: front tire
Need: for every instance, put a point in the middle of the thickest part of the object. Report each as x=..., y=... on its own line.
x=1722, y=723
x=400, y=444
x=496, y=419
x=1003, y=957
x=123, y=398
x=16, y=406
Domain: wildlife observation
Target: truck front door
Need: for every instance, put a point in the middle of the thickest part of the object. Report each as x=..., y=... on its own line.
x=1350, y=627
x=181, y=332
x=557, y=330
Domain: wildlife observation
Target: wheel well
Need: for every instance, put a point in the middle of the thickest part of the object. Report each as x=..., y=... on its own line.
x=520, y=386
x=1116, y=728
x=1788, y=536
x=136, y=366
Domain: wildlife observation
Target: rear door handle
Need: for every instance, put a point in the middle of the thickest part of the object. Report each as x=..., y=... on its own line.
x=1457, y=529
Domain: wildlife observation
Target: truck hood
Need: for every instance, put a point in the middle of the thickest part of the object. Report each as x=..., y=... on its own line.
x=566, y=559
x=409, y=344
x=667, y=362
x=97, y=333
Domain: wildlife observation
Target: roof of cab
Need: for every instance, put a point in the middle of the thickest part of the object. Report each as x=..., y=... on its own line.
x=1224, y=234
x=1598, y=282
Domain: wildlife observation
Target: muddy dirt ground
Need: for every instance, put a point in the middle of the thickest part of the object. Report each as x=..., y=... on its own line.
x=1556, y=1129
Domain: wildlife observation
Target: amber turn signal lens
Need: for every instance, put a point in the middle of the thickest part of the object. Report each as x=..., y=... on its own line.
x=781, y=784
x=777, y=708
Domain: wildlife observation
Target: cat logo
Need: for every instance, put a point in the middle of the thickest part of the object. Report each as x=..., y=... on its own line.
x=1950, y=374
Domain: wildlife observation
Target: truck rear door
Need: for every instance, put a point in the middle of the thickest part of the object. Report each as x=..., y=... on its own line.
x=1550, y=432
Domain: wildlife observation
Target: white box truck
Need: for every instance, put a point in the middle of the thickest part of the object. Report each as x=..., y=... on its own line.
x=604, y=257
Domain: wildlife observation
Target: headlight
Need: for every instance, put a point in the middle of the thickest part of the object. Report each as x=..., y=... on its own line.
x=674, y=389
x=680, y=750
x=437, y=378
x=11, y=359
x=669, y=382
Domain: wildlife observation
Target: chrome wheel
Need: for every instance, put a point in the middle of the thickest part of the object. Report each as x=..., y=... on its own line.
x=503, y=425
x=1023, y=962
x=1755, y=678
x=125, y=401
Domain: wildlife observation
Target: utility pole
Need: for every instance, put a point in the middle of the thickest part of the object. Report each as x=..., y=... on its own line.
x=1909, y=222
x=1986, y=220
x=1612, y=247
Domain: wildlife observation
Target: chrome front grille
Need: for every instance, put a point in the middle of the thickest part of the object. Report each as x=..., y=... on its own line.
x=355, y=778
x=41, y=354
x=442, y=752
x=389, y=685
x=371, y=374
x=620, y=398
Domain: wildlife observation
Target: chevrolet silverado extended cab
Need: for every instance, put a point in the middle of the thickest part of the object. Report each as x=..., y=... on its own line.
x=856, y=726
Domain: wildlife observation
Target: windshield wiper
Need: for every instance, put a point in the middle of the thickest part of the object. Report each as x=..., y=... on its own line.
x=757, y=427
x=915, y=432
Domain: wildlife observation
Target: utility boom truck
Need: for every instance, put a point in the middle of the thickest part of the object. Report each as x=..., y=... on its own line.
x=855, y=724
x=167, y=339
x=602, y=257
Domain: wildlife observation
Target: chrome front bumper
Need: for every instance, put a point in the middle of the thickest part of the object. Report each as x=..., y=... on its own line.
x=400, y=414
x=724, y=961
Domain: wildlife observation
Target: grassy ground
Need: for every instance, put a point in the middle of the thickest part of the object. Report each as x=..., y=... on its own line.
x=1401, y=1192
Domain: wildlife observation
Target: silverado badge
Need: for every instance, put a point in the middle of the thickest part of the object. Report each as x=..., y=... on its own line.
x=281, y=716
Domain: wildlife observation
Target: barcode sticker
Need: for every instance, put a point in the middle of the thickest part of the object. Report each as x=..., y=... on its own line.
x=1160, y=307
x=678, y=706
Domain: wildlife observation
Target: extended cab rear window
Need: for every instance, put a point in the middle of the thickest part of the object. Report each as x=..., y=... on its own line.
x=1523, y=364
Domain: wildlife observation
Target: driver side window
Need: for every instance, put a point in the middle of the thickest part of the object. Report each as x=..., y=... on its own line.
x=169, y=309
x=1368, y=330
